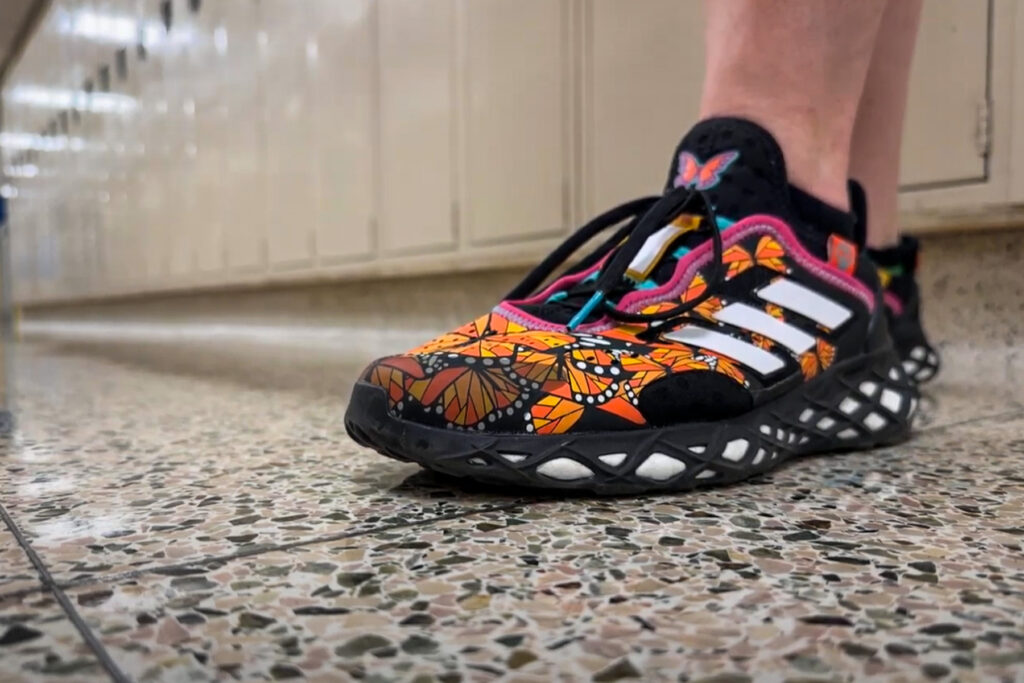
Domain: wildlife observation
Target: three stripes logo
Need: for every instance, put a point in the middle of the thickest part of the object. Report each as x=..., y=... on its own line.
x=783, y=292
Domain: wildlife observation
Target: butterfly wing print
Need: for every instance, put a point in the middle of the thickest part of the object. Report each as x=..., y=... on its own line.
x=539, y=340
x=467, y=394
x=488, y=347
x=395, y=375
x=817, y=359
x=809, y=364
x=555, y=412
x=759, y=339
x=576, y=390
x=696, y=287
x=826, y=353
x=736, y=260
x=582, y=376
x=707, y=308
x=770, y=254
x=465, y=336
x=683, y=359
x=535, y=368
x=710, y=173
x=657, y=307
x=730, y=368
x=606, y=376
x=639, y=371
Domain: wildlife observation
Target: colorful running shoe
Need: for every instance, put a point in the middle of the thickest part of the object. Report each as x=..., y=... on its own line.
x=719, y=330
x=897, y=271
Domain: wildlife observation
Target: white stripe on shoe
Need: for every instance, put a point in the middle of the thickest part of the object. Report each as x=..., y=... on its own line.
x=736, y=349
x=806, y=302
x=754, y=320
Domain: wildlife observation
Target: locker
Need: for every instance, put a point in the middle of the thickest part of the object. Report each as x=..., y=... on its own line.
x=635, y=49
x=516, y=130
x=291, y=197
x=416, y=52
x=342, y=72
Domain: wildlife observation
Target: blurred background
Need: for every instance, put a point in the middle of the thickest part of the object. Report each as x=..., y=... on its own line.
x=156, y=146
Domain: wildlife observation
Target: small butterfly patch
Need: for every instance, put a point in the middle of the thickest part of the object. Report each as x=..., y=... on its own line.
x=703, y=176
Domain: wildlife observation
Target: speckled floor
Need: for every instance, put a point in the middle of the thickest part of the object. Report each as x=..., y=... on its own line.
x=214, y=523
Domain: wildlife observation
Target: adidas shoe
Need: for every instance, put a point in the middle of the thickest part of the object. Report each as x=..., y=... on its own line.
x=897, y=271
x=719, y=330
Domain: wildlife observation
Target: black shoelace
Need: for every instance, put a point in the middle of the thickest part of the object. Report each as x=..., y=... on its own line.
x=646, y=216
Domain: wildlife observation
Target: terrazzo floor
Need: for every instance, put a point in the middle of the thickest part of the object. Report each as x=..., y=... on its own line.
x=198, y=525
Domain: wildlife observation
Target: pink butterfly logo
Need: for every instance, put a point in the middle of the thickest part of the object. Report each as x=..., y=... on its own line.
x=692, y=173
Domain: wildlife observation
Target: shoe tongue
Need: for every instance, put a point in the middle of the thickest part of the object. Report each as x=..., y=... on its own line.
x=737, y=165
x=740, y=170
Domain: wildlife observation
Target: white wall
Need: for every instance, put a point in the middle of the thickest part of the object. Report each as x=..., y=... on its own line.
x=264, y=140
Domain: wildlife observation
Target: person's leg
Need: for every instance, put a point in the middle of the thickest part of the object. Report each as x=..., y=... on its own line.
x=875, y=164
x=875, y=152
x=797, y=67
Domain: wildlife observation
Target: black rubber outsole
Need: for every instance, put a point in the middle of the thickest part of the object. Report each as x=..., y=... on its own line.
x=862, y=403
x=921, y=363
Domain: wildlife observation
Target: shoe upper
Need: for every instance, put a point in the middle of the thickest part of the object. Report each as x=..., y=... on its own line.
x=897, y=274
x=730, y=290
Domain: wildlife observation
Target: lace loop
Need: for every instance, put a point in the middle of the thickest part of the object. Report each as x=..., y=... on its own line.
x=646, y=216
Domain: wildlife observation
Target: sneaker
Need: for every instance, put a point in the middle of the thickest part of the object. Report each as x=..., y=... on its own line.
x=897, y=272
x=721, y=329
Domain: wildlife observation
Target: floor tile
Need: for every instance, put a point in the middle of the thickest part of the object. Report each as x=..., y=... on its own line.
x=39, y=643
x=113, y=469
x=116, y=468
x=16, y=572
x=903, y=563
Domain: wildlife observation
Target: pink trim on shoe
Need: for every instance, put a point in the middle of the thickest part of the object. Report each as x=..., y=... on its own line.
x=509, y=310
x=687, y=268
x=562, y=283
x=893, y=302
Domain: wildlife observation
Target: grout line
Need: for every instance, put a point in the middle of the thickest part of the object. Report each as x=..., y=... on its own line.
x=94, y=644
x=341, y=535
x=938, y=429
x=268, y=548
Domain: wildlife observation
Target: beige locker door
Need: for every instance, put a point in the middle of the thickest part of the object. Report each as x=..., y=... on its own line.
x=181, y=70
x=212, y=123
x=242, y=145
x=128, y=258
x=342, y=70
x=154, y=179
x=515, y=121
x=415, y=42
x=646, y=66
x=948, y=90
x=81, y=218
x=291, y=177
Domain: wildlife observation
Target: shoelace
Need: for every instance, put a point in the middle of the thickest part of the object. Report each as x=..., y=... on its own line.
x=648, y=215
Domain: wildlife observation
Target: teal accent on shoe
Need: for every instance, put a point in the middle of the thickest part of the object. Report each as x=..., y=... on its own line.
x=680, y=252
x=557, y=296
x=592, y=277
x=724, y=223
x=647, y=284
x=587, y=309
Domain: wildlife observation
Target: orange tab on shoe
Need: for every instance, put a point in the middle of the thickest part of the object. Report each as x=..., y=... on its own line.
x=842, y=254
